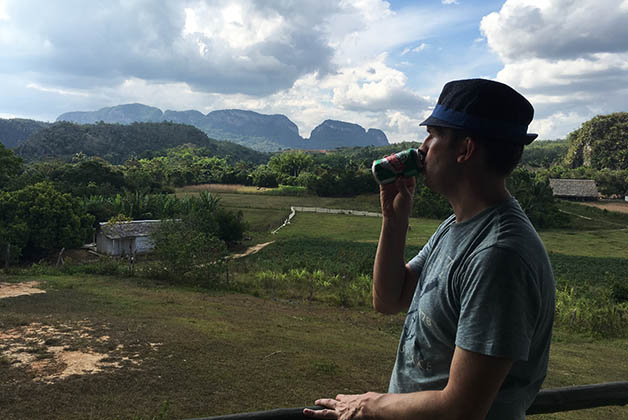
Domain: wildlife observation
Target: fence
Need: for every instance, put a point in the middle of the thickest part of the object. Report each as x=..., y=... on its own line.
x=547, y=401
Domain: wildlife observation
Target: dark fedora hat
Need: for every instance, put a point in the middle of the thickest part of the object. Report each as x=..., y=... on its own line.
x=486, y=108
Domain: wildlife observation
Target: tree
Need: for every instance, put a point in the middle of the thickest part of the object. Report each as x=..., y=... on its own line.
x=535, y=198
x=193, y=245
x=291, y=163
x=601, y=142
x=189, y=255
x=39, y=219
x=10, y=166
x=263, y=176
x=88, y=176
x=429, y=204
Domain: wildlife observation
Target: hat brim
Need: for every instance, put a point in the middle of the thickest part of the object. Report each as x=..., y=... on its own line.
x=437, y=122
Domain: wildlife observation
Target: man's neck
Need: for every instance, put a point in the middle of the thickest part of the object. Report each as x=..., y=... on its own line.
x=474, y=196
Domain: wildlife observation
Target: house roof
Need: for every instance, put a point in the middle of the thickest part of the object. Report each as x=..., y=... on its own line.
x=577, y=188
x=132, y=229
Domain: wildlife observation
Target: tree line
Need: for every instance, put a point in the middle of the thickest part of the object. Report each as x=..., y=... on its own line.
x=75, y=193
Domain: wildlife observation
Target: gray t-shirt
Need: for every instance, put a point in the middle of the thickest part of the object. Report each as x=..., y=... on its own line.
x=485, y=285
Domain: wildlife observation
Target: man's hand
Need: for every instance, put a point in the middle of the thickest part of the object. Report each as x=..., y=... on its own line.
x=396, y=198
x=393, y=281
x=344, y=407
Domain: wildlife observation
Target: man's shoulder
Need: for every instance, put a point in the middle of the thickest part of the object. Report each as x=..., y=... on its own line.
x=516, y=231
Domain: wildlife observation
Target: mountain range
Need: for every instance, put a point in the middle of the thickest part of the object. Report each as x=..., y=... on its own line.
x=262, y=132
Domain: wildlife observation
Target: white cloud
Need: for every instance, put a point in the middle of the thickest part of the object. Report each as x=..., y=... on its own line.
x=555, y=126
x=373, y=86
x=356, y=39
x=235, y=24
x=556, y=28
x=309, y=60
x=449, y=2
x=417, y=49
x=3, y=11
x=64, y=92
x=216, y=46
x=569, y=58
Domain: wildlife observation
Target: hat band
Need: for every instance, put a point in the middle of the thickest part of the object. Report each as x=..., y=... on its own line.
x=489, y=127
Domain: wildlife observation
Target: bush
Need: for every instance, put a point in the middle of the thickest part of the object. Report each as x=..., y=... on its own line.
x=263, y=176
x=345, y=182
x=429, y=204
x=288, y=190
x=619, y=292
x=536, y=199
x=591, y=311
x=340, y=289
x=188, y=254
x=231, y=225
x=39, y=219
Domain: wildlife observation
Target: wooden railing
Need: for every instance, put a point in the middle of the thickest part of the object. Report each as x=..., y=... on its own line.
x=547, y=401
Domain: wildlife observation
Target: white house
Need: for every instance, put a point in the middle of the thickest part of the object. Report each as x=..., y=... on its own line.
x=126, y=238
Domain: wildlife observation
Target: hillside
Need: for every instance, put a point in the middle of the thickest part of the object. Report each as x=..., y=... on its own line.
x=261, y=132
x=116, y=142
x=333, y=134
x=15, y=131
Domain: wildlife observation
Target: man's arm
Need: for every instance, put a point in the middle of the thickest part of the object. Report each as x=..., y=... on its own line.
x=474, y=381
x=393, y=281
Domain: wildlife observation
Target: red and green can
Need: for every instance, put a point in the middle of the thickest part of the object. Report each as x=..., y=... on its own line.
x=406, y=163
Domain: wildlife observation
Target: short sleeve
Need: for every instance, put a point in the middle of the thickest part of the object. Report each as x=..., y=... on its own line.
x=417, y=263
x=499, y=305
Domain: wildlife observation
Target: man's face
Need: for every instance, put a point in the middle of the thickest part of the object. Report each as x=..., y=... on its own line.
x=441, y=170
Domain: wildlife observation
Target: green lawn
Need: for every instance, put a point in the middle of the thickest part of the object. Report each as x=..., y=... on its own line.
x=369, y=202
x=176, y=352
x=606, y=243
x=216, y=353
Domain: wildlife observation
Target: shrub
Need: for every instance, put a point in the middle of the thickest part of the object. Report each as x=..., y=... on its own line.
x=591, y=312
x=536, y=199
x=38, y=219
x=429, y=204
x=288, y=190
x=619, y=292
x=263, y=176
x=189, y=255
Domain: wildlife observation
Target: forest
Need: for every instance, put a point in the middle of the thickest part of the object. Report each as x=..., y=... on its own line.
x=81, y=175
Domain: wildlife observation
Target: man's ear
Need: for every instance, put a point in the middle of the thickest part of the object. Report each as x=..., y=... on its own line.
x=466, y=149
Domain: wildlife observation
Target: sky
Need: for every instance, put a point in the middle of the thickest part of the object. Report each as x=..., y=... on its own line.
x=380, y=64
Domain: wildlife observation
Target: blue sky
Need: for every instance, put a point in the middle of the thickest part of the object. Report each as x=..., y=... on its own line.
x=377, y=63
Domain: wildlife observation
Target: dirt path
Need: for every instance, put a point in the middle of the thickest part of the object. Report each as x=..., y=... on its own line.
x=252, y=250
x=618, y=206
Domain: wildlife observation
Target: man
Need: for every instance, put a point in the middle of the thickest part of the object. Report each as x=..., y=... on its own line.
x=479, y=296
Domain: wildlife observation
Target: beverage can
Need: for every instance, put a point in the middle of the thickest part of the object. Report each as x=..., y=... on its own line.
x=406, y=163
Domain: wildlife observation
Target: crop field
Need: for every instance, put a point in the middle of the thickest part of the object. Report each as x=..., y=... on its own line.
x=295, y=324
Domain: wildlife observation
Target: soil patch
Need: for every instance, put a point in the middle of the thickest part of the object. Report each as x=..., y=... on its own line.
x=8, y=290
x=55, y=352
x=618, y=206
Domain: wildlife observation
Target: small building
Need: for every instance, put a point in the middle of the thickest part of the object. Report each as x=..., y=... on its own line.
x=575, y=189
x=125, y=238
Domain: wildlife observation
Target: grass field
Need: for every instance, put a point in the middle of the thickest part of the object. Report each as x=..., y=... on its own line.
x=184, y=353
x=170, y=352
